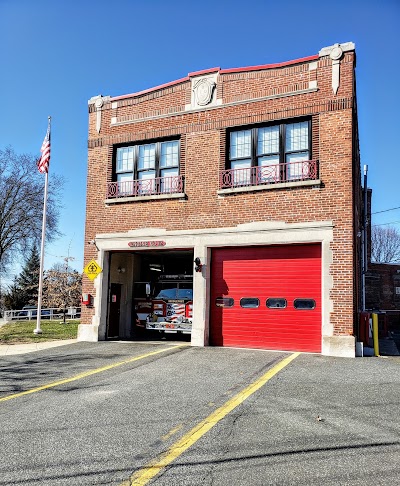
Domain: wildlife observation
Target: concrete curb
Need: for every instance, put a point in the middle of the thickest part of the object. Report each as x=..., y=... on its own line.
x=11, y=349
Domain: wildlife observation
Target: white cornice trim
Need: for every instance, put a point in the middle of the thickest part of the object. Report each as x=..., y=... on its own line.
x=346, y=47
x=258, y=226
x=93, y=99
x=233, y=103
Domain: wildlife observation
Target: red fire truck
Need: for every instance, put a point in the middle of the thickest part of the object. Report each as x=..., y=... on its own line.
x=165, y=306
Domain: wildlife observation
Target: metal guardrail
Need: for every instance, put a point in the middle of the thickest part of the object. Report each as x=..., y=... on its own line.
x=31, y=314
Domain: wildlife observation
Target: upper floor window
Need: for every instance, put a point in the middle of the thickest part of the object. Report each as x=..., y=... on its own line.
x=267, y=154
x=146, y=169
x=148, y=161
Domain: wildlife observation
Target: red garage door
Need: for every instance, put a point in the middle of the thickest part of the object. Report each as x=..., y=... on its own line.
x=267, y=297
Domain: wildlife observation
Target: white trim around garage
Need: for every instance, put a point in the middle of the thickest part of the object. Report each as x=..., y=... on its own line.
x=202, y=241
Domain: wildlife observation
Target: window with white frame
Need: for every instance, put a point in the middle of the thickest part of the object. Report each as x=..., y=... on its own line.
x=271, y=153
x=147, y=168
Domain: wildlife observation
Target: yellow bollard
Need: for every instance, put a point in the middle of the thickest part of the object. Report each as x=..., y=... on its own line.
x=375, y=333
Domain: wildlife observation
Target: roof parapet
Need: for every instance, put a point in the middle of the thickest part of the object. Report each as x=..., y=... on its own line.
x=335, y=50
x=98, y=101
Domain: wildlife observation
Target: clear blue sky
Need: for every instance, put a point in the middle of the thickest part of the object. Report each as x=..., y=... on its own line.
x=56, y=55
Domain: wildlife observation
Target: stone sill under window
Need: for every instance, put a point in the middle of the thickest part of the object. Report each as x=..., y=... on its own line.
x=270, y=187
x=121, y=200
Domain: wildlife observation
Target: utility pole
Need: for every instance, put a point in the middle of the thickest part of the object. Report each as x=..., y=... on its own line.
x=364, y=253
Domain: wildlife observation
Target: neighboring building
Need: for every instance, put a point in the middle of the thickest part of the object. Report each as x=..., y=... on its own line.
x=252, y=171
x=382, y=283
x=382, y=295
x=383, y=287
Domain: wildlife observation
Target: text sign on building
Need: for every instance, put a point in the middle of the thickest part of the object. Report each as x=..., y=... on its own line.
x=150, y=243
x=92, y=269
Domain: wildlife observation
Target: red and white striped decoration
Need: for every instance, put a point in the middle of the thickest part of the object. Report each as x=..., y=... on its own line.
x=43, y=162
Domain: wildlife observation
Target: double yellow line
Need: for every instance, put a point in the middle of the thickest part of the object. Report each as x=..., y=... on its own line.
x=154, y=467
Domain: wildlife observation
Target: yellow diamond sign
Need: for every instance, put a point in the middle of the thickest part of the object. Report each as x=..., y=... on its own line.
x=92, y=269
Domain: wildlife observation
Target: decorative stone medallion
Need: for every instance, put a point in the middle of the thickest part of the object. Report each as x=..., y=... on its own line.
x=99, y=103
x=336, y=53
x=203, y=91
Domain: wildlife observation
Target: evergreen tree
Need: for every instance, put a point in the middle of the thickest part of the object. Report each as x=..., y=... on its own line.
x=13, y=297
x=28, y=279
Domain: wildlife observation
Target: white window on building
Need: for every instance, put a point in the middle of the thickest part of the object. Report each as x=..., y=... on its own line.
x=149, y=168
x=272, y=153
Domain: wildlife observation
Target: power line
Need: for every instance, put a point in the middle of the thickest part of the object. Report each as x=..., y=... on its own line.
x=383, y=224
x=385, y=210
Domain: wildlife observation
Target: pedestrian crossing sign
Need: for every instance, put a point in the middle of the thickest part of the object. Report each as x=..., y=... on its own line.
x=92, y=269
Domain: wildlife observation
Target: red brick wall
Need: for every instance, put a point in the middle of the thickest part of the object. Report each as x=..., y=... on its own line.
x=203, y=156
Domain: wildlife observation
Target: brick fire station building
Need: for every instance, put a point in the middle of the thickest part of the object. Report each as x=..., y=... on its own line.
x=253, y=172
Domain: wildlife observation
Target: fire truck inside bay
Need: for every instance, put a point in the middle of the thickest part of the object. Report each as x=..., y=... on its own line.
x=164, y=303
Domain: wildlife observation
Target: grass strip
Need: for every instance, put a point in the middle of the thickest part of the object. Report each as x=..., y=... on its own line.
x=19, y=332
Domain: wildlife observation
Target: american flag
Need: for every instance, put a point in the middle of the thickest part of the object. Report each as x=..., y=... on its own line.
x=43, y=162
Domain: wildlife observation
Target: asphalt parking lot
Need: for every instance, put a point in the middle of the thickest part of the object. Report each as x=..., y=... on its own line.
x=169, y=414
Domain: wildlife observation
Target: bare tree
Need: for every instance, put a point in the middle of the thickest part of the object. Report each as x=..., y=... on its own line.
x=21, y=205
x=62, y=286
x=385, y=245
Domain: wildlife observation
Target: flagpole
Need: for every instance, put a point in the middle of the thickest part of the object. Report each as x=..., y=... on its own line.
x=38, y=330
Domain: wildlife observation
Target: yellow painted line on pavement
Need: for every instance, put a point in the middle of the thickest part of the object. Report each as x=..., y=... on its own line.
x=171, y=432
x=154, y=467
x=89, y=373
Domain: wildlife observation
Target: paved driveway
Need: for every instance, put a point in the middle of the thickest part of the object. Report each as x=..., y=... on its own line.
x=165, y=414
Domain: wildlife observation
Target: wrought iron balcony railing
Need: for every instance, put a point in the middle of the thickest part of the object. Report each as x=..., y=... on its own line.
x=145, y=187
x=304, y=170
